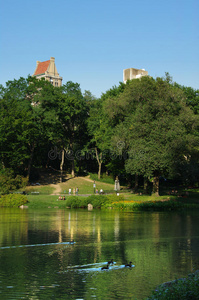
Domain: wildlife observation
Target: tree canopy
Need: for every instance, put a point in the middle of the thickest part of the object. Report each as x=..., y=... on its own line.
x=147, y=127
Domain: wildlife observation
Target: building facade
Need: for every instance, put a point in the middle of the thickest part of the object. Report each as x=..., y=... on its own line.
x=133, y=73
x=48, y=70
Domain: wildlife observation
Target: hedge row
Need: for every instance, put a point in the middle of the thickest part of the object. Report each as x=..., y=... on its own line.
x=150, y=205
x=117, y=202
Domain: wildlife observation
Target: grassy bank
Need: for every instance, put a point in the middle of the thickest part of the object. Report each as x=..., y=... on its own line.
x=183, y=289
x=139, y=203
x=46, y=195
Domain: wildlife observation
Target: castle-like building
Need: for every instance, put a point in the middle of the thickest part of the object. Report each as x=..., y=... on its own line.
x=48, y=70
x=132, y=73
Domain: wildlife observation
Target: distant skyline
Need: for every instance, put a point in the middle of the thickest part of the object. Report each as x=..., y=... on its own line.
x=93, y=41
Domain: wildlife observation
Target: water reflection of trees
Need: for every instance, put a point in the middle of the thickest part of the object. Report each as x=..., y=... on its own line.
x=157, y=243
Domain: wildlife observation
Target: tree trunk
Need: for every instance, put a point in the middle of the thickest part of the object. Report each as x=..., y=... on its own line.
x=146, y=185
x=99, y=170
x=73, y=168
x=136, y=182
x=61, y=165
x=30, y=160
x=99, y=160
x=156, y=186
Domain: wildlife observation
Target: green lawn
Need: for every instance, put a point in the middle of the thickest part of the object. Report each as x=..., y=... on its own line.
x=45, y=201
x=85, y=186
x=44, y=198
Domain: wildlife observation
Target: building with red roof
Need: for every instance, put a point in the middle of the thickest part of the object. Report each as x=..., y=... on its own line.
x=48, y=70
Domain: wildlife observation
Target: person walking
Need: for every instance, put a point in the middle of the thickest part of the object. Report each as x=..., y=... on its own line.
x=77, y=190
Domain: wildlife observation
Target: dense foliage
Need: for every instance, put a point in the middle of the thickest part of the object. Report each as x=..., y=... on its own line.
x=183, y=289
x=8, y=181
x=13, y=200
x=140, y=131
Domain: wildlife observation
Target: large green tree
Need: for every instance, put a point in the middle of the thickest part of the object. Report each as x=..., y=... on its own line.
x=65, y=117
x=100, y=127
x=156, y=126
x=22, y=123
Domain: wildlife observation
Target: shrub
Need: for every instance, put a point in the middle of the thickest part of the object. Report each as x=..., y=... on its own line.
x=8, y=181
x=76, y=202
x=97, y=201
x=149, y=205
x=184, y=289
x=13, y=200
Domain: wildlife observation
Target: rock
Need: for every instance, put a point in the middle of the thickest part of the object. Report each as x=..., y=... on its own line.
x=90, y=206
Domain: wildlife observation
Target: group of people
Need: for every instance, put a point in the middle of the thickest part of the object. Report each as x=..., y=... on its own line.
x=62, y=198
x=75, y=191
x=99, y=192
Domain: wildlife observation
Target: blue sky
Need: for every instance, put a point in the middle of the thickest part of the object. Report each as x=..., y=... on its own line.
x=93, y=41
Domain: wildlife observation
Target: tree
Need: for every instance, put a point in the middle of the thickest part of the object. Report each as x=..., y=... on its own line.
x=160, y=131
x=192, y=97
x=65, y=117
x=8, y=181
x=21, y=125
x=100, y=127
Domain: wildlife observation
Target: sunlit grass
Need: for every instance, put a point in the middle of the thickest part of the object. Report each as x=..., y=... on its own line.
x=85, y=186
x=43, y=189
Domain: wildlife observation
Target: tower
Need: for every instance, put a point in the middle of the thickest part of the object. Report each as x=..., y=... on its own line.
x=133, y=73
x=48, y=70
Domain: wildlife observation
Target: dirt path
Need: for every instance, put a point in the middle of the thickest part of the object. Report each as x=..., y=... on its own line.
x=57, y=188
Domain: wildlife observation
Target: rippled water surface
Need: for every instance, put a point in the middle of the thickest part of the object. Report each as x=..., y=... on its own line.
x=37, y=260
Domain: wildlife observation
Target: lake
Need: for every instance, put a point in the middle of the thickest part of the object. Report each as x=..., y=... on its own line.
x=38, y=262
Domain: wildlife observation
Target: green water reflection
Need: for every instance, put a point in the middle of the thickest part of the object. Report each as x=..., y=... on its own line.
x=37, y=262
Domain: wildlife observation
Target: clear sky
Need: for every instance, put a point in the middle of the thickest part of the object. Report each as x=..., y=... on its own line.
x=93, y=41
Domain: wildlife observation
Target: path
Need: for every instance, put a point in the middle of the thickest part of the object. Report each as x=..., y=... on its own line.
x=57, y=188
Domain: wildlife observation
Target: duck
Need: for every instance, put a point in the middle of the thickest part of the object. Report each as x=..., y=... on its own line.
x=110, y=262
x=129, y=265
x=71, y=242
x=105, y=268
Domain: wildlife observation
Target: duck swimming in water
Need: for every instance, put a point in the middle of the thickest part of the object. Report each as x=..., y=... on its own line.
x=129, y=265
x=110, y=262
x=105, y=268
x=71, y=242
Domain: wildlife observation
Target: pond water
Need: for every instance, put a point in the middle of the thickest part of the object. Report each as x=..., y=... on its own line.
x=38, y=262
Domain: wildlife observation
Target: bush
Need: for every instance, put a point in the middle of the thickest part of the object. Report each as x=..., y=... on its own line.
x=97, y=201
x=75, y=202
x=13, y=200
x=149, y=205
x=8, y=182
x=183, y=289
